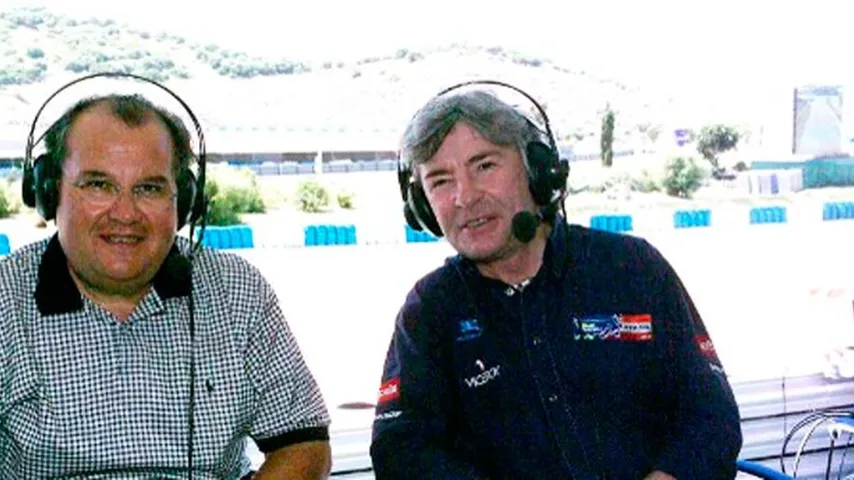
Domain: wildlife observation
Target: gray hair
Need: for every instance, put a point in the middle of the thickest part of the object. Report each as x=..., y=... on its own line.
x=497, y=121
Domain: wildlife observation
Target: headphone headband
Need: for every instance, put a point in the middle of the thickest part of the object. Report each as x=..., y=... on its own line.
x=39, y=188
x=199, y=134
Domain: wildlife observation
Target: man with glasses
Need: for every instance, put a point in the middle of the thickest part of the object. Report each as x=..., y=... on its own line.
x=96, y=355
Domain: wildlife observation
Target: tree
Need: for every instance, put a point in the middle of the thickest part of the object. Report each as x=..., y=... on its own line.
x=607, y=140
x=682, y=177
x=714, y=140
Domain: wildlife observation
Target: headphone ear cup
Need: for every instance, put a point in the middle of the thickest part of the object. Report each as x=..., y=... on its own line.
x=186, y=196
x=200, y=205
x=47, y=198
x=45, y=186
x=410, y=217
x=420, y=207
x=560, y=176
x=541, y=159
x=28, y=187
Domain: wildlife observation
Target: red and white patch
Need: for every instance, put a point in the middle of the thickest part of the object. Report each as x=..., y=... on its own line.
x=707, y=348
x=636, y=327
x=390, y=390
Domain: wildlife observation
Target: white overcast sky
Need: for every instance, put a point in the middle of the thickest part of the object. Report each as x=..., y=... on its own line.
x=722, y=42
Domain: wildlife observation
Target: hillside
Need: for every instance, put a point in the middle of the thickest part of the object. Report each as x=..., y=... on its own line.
x=43, y=49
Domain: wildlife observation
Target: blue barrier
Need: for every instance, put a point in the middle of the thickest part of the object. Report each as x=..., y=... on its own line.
x=5, y=247
x=241, y=236
x=838, y=211
x=228, y=237
x=692, y=218
x=763, y=215
x=417, y=236
x=612, y=223
x=758, y=470
x=323, y=235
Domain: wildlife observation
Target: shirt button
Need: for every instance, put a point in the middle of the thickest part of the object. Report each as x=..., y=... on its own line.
x=536, y=341
x=552, y=398
x=509, y=292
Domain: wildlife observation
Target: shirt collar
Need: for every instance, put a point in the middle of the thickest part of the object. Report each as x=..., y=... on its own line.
x=56, y=292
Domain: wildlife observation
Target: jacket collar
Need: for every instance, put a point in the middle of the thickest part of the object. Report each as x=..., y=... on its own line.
x=555, y=256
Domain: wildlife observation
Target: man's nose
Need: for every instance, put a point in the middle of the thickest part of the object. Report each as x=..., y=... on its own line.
x=124, y=207
x=467, y=191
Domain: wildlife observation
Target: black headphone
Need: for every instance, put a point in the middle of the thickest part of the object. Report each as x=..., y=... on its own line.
x=547, y=178
x=40, y=180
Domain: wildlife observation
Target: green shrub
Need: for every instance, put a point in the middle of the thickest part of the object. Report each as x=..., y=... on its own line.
x=222, y=209
x=312, y=197
x=9, y=201
x=5, y=204
x=646, y=183
x=682, y=177
x=231, y=192
x=242, y=184
x=345, y=200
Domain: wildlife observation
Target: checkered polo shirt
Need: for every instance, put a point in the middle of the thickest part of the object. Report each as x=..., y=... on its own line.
x=84, y=396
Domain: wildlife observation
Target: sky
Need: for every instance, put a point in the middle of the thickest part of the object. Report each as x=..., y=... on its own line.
x=722, y=43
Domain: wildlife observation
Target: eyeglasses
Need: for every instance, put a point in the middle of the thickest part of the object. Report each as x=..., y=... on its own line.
x=102, y=193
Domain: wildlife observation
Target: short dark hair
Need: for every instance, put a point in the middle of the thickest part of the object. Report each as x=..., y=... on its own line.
x=134, y=110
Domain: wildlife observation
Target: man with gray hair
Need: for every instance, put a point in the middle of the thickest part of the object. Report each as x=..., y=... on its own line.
x=542, y=349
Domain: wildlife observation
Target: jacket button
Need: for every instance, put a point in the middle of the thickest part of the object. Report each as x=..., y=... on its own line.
x=552, y=398
x=536, y=341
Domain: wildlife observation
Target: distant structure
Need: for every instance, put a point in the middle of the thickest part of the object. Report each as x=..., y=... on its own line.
x=817, y=121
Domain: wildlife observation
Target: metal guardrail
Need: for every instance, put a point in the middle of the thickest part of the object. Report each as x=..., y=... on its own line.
x=769, y=408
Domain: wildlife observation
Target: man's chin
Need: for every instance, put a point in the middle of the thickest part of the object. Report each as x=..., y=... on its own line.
x=481, y=254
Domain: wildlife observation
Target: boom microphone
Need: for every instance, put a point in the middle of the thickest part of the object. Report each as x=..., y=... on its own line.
x=525, y=225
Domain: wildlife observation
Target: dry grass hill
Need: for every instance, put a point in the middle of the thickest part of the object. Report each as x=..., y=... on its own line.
x=232, y=90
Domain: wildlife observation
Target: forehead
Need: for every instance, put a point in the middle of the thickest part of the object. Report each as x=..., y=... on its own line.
x=98, y=135
x=461, y=142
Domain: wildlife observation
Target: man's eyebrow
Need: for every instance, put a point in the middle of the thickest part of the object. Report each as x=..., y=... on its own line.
x=473, y=159
x=101, y=175
x=435, y=173
x=155, y=179
x=93, y=174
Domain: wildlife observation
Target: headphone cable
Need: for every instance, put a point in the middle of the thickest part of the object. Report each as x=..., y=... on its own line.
x=191, y=408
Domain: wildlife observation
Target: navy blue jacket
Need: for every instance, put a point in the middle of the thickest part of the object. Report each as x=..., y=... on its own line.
x=599, y=368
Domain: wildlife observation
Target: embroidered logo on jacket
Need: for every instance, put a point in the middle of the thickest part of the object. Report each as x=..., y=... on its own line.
x=390, y=415
x=485, y=376
x=469, y=330
x=390, y=390
x=707, y=348
x=623, y=327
